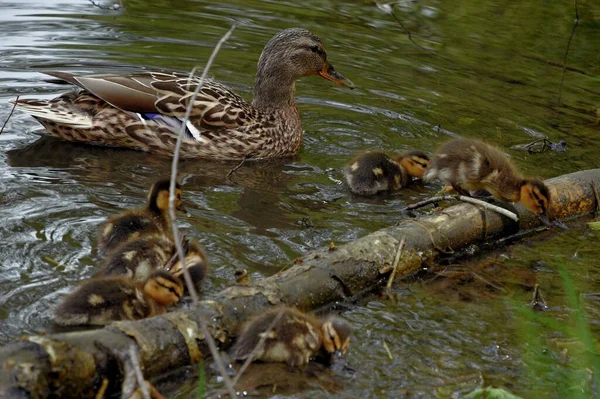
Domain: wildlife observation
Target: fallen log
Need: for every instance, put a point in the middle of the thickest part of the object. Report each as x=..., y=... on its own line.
x=77, y=364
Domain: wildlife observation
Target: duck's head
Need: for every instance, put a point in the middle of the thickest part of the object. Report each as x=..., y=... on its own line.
x=415, y=163
x=536, y=197
x=336, y=335
x=164, y=288
x=158, y=197
x=289, y=55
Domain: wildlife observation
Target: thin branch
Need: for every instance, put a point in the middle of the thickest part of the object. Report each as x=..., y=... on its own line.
x=180, y=252
x=236, y=167
x=396, y=262
x=388, y=8
x=564, y=66
x=113, y=7
x=9, y=115
x=259, y=346
x=138, y=372
x=463, y=198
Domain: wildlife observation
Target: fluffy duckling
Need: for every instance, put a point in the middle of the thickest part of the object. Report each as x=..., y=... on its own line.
x=153, y=218
x=104, y=300
x=195, y=260
x=472, y=165
x=374, y=171
x=137, y=259
x=294, y=339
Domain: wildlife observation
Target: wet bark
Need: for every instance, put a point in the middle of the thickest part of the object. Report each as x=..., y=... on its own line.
x=76, y=364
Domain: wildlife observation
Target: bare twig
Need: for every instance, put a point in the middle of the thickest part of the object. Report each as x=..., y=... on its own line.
x=396, y=262
x=138, y=372
x=9, y=115
x=564, y=66
x=102, y=390
x=388, y=8
x=463, y=198
x=259, y=346
x=102, y=7
x=180, y=252
x=236, y=167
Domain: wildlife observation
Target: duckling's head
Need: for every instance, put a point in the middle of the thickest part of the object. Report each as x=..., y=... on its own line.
x=289, y=55
x=415, y=163
x=158, y=197
x=536, y=197
x=164, y=288
x=336, y=334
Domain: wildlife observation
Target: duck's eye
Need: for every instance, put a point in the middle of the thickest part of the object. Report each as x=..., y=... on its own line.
x=314, y=48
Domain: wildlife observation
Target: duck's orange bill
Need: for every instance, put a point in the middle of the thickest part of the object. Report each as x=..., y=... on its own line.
x=328, y=72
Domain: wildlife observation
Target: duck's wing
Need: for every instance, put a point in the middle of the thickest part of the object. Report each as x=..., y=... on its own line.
x=215, y=106
x=127, y=92
x=168, y=93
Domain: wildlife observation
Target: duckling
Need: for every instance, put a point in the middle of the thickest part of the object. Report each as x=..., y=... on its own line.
x=374, y=171
x=153, y=218
x=472, y=165
x=195, y=260
x=104, y=300
x=137, y=259
x=294, y=339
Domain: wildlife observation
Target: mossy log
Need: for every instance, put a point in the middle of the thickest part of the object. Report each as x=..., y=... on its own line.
x=76, y=364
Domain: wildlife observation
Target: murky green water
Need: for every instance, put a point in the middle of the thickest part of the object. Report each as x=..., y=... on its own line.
x=488, y=69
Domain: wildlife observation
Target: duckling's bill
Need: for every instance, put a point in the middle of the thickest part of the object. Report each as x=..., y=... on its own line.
x=328, y=72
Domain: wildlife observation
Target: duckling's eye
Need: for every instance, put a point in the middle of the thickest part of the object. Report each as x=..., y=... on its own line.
x=314, y=48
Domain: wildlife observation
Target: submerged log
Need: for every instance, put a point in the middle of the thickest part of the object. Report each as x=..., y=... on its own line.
x=77, y=364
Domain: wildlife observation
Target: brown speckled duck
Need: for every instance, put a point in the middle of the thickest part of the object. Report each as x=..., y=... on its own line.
x=472, y=165
x=295, y=338
x=144, y=111
x=374, y=171
x=135, y=223
x=101, y=301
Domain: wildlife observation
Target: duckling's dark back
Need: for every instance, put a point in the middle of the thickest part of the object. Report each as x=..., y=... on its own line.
x=122, y=228
x=374, y=171
x=466, y=159
x=294, y=338
x=99, y=301
x=137, y=259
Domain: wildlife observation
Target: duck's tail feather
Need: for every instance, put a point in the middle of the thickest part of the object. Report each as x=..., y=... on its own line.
x=52, y=110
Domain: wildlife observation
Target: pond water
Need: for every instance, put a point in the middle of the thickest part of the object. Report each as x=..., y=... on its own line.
x=489, y=69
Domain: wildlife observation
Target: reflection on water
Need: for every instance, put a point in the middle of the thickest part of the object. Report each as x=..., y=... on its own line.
x=491, y=69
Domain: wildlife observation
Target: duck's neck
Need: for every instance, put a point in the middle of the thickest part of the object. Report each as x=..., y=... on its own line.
x=510, y=187
x=274, y=88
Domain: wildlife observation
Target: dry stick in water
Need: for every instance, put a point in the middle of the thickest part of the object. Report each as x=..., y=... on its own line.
x=9, y=115
x=138, y=372
x=259, y=346
x=188, y=279
x=464, y=198
x=396, y=262
x=562, y=79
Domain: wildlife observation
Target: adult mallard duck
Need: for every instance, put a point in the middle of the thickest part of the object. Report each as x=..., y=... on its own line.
x=144, y=111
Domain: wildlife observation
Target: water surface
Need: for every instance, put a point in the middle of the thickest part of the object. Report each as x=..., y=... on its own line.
x=489, y=69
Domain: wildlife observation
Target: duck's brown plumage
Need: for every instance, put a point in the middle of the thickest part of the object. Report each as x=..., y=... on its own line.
x=136, y=223
x=104, y=300
x=294, y=339
x=472, y=165
x=141, y=111
x=372, y=172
